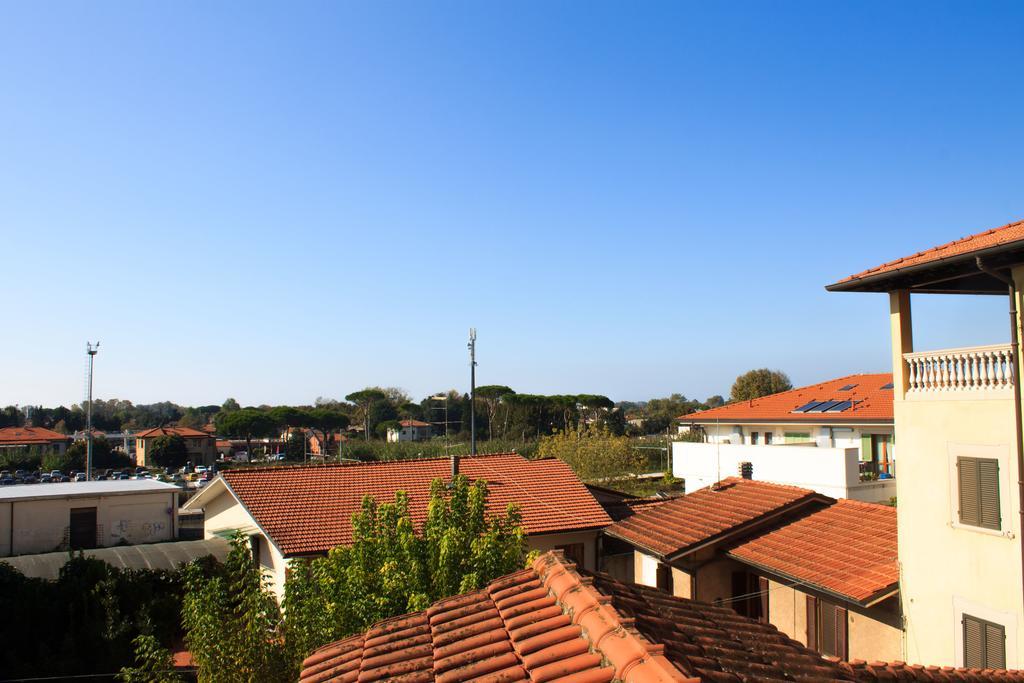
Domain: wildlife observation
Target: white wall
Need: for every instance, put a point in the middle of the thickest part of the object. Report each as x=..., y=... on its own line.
x=831, y=471
x=39, y=525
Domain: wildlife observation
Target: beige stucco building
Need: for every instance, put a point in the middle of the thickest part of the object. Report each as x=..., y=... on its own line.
x=42, y=518
x=957, y=414
x=201, y=446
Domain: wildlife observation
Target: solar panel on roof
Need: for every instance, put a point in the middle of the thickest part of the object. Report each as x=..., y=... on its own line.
x=807, y=406
x=822, y=407
x=887, y=386
x=847, y=387
x=839, y=407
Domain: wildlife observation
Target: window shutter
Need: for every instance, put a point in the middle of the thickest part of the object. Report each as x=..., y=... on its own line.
x=988, y=486
x=812, y=622
x=762, y=587
x=841, y=640
x=995, y=646
x=970, y=512
x=974, y=634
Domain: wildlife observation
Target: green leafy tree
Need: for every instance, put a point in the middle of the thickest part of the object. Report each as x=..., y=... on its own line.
x=365, y=400
x=153, y=663
x=490, y=395
x=248, y=423
x=168, y=450
x=391, y=569
x=594, y=453
x=103, y=454
x=233, y=626
x=714, y=401
x=326, y=421
x=757, y=383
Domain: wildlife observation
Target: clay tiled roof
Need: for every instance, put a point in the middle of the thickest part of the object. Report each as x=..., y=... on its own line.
x=550, y=623
x=898, y=671
x=30, y=435
x=184, y=432
x=848, y=549
x=309, y=509
x=965, y=246
x=870, y=402
x=682, y=524
x=413, y=423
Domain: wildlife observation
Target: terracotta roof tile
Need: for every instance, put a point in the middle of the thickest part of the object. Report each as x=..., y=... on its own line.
x=1011, y=232
x=683, y=523
x=30, y=435
x=308, y=509
x=900, y=671
x=185, y=432
x=848, y=548
x=870, y=402
x=414, y=423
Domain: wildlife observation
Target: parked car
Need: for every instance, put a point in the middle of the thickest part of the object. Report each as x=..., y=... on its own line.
x=123, y=476
x=7, y=481
x=79, y=476
x=56, y=474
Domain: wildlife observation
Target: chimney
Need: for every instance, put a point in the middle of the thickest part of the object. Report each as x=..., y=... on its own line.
x=455, y=466
x=746, y=470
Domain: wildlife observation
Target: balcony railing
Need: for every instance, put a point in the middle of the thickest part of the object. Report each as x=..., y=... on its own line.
x=977, y=368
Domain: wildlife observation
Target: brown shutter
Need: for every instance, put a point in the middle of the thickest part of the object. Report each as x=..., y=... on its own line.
x=762, y=587
x=988, y=491
x=974, y=634
x=841, y=639
x=995, y=646
x=812, y=622
x=968, y=483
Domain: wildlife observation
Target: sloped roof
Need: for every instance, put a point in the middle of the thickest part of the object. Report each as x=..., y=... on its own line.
x=308, y=509
x=871, y=402
x=961, y=248
x=847, y=548
x=709, y=514
x=184, y=432
x=30, y=435
x=552, y=622
x=413, y=423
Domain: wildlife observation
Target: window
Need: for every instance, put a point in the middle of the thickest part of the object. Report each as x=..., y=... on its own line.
x=750, y=595
x=797, y=437
x=767, y=438
x=984, y=644
x=826, y=627
x=664, y=578
x=573, y=552
x=755, y=438
x=978, y=482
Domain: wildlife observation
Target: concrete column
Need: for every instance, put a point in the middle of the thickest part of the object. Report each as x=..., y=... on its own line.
x=902, y=340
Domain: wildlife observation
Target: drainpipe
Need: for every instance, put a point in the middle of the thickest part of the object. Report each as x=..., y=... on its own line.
x=1015, y=355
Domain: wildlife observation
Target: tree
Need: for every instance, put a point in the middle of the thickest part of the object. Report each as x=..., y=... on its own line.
x=233, y=626
x=757, y=383
x=491, y=395
x=390, y=569
x=247, y=424
x=714, y=401
x=153, y=663
x=168, y=450
x=230, y=406
x=365, y=400
x=326, y=420
x=103, y=454
x=594, y=453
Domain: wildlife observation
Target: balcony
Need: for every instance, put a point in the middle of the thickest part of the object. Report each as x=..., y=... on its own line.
x=982, y=371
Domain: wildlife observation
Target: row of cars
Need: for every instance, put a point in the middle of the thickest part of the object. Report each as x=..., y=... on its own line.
x=200, y=476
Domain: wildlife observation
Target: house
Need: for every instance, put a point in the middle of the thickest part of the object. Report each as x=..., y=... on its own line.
x=824, y=572
x=409, y=430
x=835, y=437
x=202, y=447
x=123, y=441
x=958, y=415
x=42, y=518
x=304, y=511
x=615, y=556
x=555, y=622
x=41, y=440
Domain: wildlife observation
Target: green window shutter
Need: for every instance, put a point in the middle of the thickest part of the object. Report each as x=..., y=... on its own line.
x=865, y=448
x=812, y=622
x=995, y=646
x=970, y=510
x=974, y=635
x=988, y=489
x=797, y=437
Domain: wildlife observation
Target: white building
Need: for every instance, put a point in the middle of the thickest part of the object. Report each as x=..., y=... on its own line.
x=41, y=518
x=835, y=438
x=409, y=430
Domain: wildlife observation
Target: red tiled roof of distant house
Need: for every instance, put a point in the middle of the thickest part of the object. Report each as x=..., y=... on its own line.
x=1011, y=232
x=549, y=623
x=184, y=432
x=899, y=671
x=870, y=401
x=30, y=435
x=413, y=423
x=710, y=514
x=308, y=509
x=848, y=549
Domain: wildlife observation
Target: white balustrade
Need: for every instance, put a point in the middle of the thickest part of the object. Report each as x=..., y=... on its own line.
x=968, y=369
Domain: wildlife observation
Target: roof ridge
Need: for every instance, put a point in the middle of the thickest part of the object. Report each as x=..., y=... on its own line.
x=362, y=463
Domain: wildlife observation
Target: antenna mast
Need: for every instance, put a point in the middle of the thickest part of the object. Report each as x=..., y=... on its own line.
x=91, y=350
x=472, y=391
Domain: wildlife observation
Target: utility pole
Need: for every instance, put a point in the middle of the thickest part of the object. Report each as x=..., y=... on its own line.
x=91, y=350
x=472, y=391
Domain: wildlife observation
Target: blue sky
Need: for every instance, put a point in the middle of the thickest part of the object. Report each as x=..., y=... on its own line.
x=279, y=202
